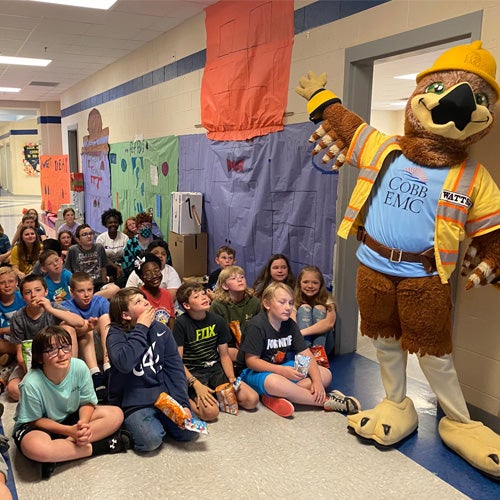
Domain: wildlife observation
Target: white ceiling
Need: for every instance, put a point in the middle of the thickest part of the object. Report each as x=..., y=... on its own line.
x=80, y=42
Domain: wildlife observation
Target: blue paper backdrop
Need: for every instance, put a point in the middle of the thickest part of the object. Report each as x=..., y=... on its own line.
x=263, y=196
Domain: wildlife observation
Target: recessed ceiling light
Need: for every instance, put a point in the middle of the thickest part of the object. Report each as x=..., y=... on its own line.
x=24, y=61
x=9, y=89
x=411, y=76
x=90, y=4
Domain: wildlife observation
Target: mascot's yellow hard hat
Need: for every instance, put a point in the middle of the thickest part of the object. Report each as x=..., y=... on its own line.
x=472, y=58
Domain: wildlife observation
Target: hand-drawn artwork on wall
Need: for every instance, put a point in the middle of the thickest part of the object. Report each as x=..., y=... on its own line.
x=261, y=197
x=143, y=174
x=96, y=174
x=54, y=181
x=31, y=159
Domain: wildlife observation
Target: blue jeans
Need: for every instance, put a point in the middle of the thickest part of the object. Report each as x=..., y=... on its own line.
x=307, y=316
x=149, y=426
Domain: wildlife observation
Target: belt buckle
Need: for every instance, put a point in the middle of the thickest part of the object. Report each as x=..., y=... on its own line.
x=396, y=255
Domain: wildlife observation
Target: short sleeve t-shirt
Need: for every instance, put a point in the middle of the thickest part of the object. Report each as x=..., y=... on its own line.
x=200, y=339
x=98, y=306
x=60, y=289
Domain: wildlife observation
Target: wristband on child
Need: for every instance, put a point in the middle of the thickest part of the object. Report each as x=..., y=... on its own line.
x=191, y=381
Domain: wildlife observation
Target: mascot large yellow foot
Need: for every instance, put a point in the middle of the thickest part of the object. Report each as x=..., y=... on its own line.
x=386, y=424
x=474, y=442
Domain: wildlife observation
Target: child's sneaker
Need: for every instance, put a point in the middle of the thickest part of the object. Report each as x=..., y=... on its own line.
x=46, y=469
x=280, y=406
x=336, y=401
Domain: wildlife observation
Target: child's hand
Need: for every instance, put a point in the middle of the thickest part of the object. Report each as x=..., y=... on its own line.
x=147, y=317
x=42, y=302
x=92, y=323
x=291, y=373
x=204, y=395
x=84, y=433
x=318, y=391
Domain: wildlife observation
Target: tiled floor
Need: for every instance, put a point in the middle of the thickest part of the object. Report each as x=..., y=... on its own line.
x=260, y=455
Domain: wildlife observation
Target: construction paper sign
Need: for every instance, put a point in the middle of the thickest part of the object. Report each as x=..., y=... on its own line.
x=54, y=182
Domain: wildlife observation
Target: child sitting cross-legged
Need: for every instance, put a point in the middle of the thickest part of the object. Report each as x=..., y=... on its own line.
x=144, y=363
x=57, y=418
x=270, y=342
x=56, y=277
x=38, y=313
x=203, y=337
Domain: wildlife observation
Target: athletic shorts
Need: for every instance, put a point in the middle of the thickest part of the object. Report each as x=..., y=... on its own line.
x=256, y=379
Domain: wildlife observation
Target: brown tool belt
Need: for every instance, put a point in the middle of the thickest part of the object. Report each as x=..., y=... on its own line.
x=396, y=255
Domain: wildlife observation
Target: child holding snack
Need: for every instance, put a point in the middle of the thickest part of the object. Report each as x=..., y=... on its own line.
x=144, y=363
x=202, y=338
x=314, y=309
x=38, y=313
x=235, y=302
x=148, y=268
x=57, y=418
x=270, y=338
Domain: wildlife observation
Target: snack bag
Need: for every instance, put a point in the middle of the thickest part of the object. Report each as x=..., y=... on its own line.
x=26, y=351
x=175, y=412
x=236, y=331
x=302, y=364
x=320, y=355
x=226, y=396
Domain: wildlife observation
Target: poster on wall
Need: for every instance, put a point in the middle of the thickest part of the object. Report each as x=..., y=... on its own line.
x=95, y=168
x=31, y=159
x=143, y=174
x=54, y=181
x=245, y=82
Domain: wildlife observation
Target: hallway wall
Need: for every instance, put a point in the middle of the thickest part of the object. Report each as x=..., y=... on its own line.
x=173, y=108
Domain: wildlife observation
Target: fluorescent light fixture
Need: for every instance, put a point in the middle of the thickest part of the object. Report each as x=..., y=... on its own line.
x=411, y=76
x=9, y=89
x=24, y=61
x=89, y=4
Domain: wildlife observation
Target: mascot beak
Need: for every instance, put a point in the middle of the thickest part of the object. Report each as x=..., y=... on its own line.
x=453, y=114
x=456, y=106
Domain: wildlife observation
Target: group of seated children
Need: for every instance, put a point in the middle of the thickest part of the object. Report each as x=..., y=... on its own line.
x=236, y=339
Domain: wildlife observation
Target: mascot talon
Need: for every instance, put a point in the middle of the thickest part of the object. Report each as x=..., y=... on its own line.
x=474, y=442
x=417, y=196
x=386, y=424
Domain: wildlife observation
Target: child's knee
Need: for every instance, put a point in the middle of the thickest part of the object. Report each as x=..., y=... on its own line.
x=13, y=389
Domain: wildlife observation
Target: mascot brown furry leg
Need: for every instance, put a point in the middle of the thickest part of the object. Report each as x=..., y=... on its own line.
x=417, y=196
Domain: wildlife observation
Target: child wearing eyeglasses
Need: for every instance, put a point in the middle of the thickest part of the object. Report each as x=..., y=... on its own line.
x=148, y=268
x=89, y=257
x=57, y=418
x=236, y=303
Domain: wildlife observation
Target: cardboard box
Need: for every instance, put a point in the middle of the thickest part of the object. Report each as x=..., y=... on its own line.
x=186, y=213
x=189, y=253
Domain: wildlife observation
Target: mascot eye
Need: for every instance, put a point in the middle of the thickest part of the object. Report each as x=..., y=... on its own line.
x=482, y=99
x=435, y=88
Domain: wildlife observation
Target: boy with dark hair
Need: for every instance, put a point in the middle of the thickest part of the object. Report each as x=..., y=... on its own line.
x=203, y=339
x=94, y=309
x=38, y=313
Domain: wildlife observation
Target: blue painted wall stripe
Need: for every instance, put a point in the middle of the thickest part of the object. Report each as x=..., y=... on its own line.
x=305, y=18
x=32, y=131
x=42, y=120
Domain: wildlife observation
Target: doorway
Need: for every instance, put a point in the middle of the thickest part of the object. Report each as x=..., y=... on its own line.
x=357, y=92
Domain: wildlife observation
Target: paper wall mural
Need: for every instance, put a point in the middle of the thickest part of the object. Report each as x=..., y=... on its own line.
x=31, y=159
x=143, y=174
x=96, y=174
x=54, y=181
x=245, y=82
x=262, y=197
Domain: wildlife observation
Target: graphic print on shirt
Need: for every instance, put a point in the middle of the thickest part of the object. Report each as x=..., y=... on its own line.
x=148, y=361
x=276, y=345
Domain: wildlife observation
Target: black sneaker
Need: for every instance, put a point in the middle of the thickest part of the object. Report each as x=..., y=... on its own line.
x=99, y=380
x=47, y=468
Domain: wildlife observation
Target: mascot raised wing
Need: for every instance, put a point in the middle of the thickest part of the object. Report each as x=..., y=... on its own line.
x=416, y=197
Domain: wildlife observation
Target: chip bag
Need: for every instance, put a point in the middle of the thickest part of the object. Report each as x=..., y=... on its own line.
x=302, y=364
x=320, y=355
x=226, y=396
